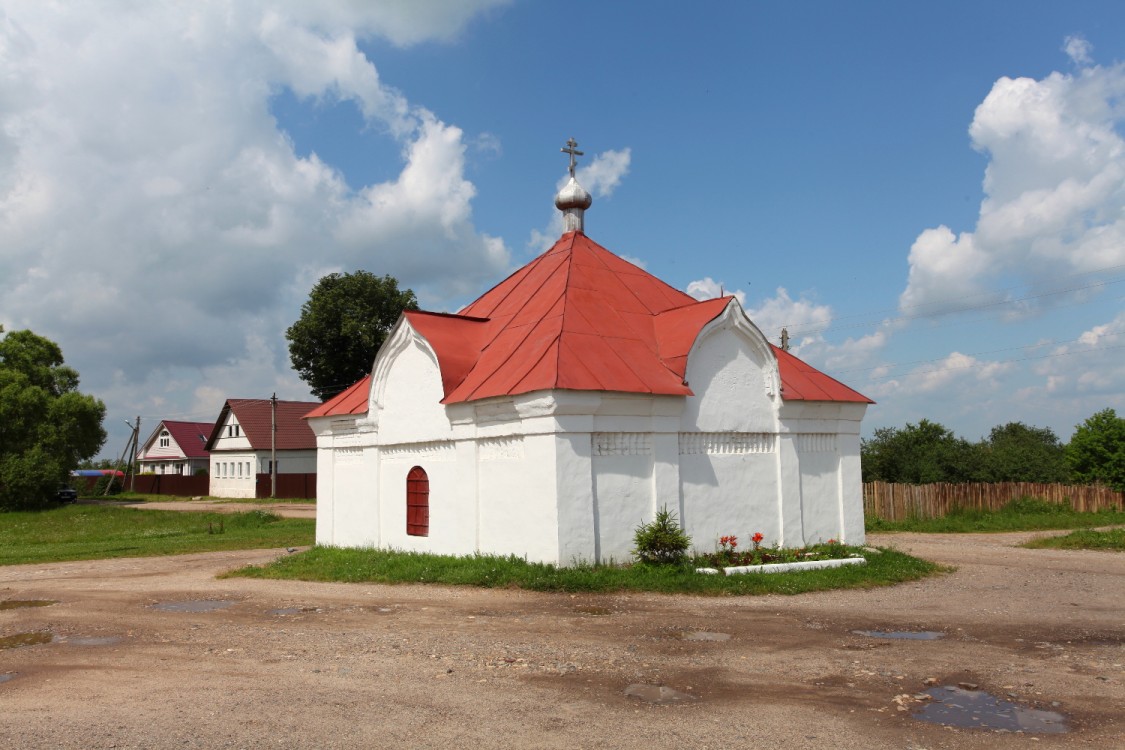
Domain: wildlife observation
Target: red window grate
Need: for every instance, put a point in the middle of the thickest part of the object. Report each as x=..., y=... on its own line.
x=417, y=502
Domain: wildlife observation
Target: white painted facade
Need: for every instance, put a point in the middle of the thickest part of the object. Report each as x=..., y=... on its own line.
x=564, y=476
x=162, y=454
x=235, y=464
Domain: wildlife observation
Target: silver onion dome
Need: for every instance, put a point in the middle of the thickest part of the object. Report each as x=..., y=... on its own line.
x=573, y=199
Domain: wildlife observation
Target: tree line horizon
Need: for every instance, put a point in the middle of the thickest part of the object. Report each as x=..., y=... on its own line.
x=929, y=452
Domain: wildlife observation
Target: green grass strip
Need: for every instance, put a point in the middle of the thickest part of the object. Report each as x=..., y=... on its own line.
x=382, y=566
x=90, y=532
x=1112, y=540
x=1025, y=514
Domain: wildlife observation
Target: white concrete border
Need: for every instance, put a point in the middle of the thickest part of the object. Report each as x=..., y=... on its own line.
x=783, y=567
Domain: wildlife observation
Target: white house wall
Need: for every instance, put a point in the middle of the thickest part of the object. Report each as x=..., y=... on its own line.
x=234, y=473
x=234, y=442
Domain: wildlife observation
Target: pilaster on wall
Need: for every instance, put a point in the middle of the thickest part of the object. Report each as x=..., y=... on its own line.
x=851, y=491
x=578, y=531
x=467, y=452
x=666, y=489
x=325, y=500
x=791, y=533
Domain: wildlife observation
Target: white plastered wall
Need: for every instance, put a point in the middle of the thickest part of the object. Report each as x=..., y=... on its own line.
x=566, y=476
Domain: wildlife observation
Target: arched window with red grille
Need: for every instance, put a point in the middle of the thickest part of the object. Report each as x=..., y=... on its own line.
x=417, y=502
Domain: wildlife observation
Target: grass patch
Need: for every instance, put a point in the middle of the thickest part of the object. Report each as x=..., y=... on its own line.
x=382, y=566
x=90, y=532
x=1112, y=539
x=138, y=497
x=1024, y=514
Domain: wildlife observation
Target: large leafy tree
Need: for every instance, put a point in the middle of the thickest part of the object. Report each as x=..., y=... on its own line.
x=1096, y=452
x=919, y=454
x=342, y=325
x=1016, y=452
x=46, y=426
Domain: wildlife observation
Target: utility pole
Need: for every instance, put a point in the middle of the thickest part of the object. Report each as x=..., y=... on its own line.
x=133, y=456
x=273, y=445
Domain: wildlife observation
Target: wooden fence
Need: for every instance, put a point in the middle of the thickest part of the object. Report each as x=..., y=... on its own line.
x=292, y=486
x=898, y=502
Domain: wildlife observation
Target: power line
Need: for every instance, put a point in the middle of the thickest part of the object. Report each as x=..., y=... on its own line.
x=1011, y=361
x=1050, y=342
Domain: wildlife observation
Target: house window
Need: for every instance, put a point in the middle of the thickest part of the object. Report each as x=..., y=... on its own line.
x=239, y=469
x=417, y=502
x=165, y=440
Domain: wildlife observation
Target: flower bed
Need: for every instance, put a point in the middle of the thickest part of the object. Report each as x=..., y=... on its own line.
x=783, y=567
x=730, y=561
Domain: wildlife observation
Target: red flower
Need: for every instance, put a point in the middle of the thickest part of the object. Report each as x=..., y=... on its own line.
x=757, y=538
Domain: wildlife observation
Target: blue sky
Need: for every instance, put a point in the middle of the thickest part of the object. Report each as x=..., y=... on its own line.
x=174, y=179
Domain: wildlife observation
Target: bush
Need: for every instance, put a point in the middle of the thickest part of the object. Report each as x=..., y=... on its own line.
x=662, y=542
x=1030, y=505
x=105, y=480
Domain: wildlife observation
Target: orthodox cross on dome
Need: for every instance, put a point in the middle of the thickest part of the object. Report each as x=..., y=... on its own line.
x=572, y=149
x=573, y=200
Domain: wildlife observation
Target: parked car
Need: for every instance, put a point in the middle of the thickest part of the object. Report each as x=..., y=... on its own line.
x=66, y=494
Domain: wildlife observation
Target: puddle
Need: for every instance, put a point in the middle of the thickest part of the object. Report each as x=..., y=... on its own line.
x=589, y=609
x=906, y=635
x=198, y=605
x=26, y=639
x=108, y=640
x=657, y=694
x=701, y=635
x=976, y=709
x=7, y=676
x=20, y=603
x=293, y=610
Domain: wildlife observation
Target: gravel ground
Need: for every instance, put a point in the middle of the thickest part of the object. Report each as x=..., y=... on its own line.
x=292, y=664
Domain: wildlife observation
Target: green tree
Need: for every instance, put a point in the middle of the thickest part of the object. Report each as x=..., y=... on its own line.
x=1096, y=452
x=342, y=325
x=46, y=426
x=1016, y=452
x=919, y=454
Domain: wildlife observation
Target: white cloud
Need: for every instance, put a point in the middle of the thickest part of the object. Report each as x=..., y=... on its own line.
x=952, y=371
x=1053, y=203
x=1078, y=50
x=804, y=319
x=157, y=223
x=708, y=288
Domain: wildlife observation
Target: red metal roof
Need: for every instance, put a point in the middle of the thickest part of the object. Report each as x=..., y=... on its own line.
x=803, y=382
x=580, y=318
x=254, y=416
x=190, y=436
x=352, y=400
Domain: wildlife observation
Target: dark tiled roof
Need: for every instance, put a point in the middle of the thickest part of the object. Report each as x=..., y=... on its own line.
x=254, y=416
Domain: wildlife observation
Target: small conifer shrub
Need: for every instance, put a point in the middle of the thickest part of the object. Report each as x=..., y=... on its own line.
x=662, y=541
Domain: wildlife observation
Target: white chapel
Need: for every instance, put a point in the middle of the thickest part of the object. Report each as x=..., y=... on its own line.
x=572, y=401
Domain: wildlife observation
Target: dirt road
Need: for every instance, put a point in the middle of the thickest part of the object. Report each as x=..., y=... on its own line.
x=296, y=665
x=288, y=510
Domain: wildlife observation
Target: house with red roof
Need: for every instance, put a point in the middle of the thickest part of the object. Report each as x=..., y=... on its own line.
x=241, y=446
x=175, y=448
x=570, y=403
